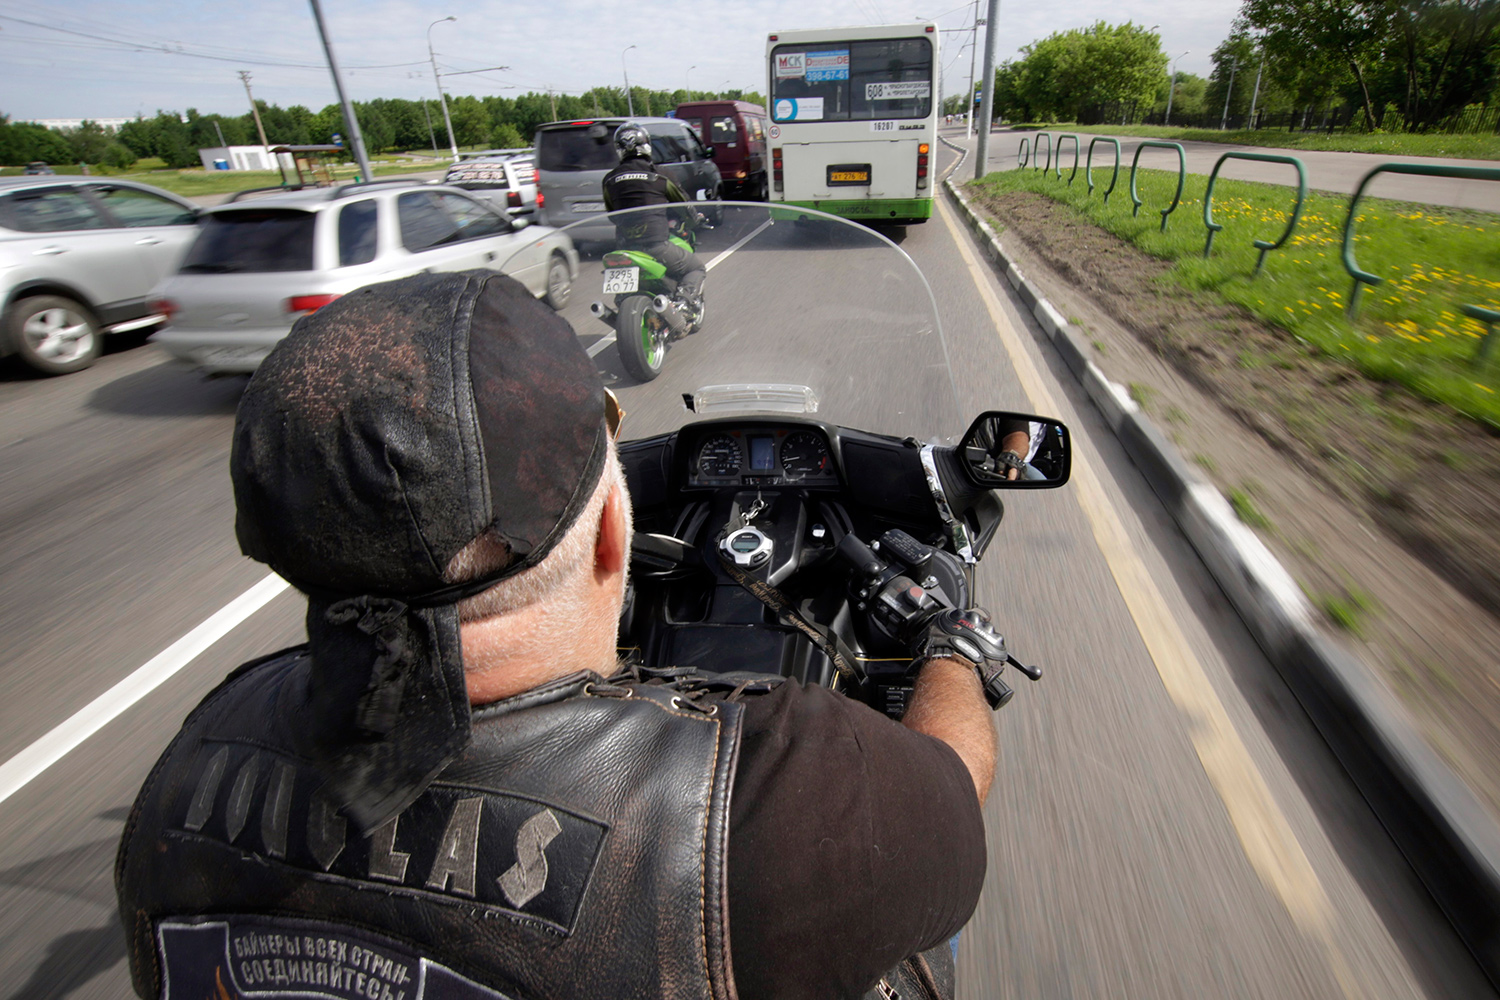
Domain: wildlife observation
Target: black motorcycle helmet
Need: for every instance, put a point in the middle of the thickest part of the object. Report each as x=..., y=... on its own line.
x=632, y=140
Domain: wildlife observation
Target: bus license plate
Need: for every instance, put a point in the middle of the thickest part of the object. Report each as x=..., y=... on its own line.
x=621, y=279
x=849, y=173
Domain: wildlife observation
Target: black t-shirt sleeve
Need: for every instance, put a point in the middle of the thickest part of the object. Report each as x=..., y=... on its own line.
x=853, y=843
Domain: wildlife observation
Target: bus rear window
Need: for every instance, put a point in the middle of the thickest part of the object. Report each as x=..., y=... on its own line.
x=852, y=81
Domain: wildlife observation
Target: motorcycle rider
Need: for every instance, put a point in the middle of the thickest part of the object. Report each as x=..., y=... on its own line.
x=453, y=788
x=636, y=183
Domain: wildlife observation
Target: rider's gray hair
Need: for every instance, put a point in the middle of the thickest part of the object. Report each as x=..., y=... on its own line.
x=548, y=580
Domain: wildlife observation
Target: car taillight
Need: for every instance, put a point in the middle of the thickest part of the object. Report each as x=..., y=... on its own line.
x=513, y=199
x=166, y=307
x=776, y=176
x=305, y=304
x=616, y=259
x=541, y=199
x=922, y=151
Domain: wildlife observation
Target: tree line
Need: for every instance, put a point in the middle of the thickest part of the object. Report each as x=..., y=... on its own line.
x=1406, y=65
x=387, y=124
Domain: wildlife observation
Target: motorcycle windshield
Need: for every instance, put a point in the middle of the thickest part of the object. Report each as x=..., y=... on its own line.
x=803, y=312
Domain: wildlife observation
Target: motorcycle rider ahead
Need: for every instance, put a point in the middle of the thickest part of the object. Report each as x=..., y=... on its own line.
x=454, y=789
x=636, y=183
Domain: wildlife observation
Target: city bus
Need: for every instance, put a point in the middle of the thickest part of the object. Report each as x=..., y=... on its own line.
x=853, y=120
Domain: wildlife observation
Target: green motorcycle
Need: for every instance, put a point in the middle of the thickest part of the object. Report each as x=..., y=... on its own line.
x=647, y=313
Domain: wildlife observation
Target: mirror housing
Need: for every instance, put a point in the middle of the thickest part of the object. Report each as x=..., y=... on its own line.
x=519, y=222
x=1003, y=450
x=708, y=152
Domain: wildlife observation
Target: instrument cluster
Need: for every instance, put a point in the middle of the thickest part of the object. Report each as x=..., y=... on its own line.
x=762, y=456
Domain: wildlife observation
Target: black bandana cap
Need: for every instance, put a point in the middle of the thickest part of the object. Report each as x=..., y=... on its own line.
x=384, y=434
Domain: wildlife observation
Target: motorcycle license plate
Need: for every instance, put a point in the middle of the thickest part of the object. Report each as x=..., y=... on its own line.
x=621, y=279
x=588, y=206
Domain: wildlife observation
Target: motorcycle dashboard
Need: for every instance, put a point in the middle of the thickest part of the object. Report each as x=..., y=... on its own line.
x=722, y=454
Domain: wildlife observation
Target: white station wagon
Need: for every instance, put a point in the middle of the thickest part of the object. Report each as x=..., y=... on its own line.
x=260, y=263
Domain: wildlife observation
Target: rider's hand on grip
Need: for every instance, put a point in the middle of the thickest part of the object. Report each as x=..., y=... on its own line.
x=968, y=635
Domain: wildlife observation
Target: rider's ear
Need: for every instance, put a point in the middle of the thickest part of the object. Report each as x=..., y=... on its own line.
x=610, y=551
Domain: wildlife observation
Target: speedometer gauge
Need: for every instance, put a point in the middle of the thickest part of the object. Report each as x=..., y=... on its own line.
x=803, y=455
x=719, y=457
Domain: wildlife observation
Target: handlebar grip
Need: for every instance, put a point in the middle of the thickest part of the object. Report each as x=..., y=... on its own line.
x=860, y=555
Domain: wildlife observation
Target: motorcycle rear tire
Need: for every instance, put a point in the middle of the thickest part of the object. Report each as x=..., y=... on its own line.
x=641, y=338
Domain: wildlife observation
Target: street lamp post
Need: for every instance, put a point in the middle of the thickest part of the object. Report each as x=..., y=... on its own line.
x=351, y=122
x=629, y=102
x=1172, y=89
x=437, y=79
x=690, y=81
x=1224, y=119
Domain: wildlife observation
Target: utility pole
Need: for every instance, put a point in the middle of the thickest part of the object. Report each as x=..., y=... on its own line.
x=1255, y=94
x=973, y=52
x=437, y=79
x=987, y=105
x=629, y=101
x=245, y=79
x=1172, y=89
x=430, y=133
x=356, y=137
x=221, y=134
x=1224, y=119
x=553, y=99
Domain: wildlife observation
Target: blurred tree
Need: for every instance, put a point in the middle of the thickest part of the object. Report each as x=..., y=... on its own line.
x=1072, y=75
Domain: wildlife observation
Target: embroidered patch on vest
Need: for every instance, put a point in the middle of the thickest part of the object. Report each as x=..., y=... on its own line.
x=240, y=957
x=455, y=844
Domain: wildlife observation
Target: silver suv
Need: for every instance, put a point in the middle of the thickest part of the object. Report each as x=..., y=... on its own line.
x=78, y=259
x=506, y=178
x=262, y=262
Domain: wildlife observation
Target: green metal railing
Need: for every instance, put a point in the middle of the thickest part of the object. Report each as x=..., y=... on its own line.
x=1263, y=246
x=1037, y=147
x=1488, y=317
x=1088, y=171
x=1181, y=177
x=1076, y=150
x=1023, y=154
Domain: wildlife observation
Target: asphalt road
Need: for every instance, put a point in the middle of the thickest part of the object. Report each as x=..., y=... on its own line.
x=1166, y=823
x=1330, y=171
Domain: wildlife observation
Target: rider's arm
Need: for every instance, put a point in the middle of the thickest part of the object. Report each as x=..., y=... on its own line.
x=673, y=191
x=949, y=705
x=853, y=843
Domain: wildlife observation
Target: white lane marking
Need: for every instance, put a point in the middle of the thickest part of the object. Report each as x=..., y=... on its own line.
x=737, y=244
x=1264, y=833
x=600, y=344
x=26, y=765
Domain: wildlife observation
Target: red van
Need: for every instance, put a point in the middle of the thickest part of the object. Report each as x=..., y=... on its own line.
x=737, y=132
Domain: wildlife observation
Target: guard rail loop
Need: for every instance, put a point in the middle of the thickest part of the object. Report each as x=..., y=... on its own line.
x=1088, y=171
x=1181, y=177
x=1058, y=168
x=1263, y=246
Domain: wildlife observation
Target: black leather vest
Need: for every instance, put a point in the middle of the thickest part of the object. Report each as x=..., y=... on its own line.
x=576, y=849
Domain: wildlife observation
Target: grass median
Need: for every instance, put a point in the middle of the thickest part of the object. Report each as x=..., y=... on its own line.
x=1410, y=329
x=1462, y=146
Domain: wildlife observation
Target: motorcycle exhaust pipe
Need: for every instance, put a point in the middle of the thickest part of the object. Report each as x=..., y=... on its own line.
x=607, y=313
x=668, y=311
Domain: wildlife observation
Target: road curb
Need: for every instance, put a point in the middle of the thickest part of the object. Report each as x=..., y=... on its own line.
x=1435, y=820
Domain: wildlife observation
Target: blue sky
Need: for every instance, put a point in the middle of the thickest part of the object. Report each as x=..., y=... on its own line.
x=149, y=54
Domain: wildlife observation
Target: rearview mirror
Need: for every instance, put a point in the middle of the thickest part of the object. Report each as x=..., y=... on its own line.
x=708, y=152
x=519, y=223
x=1004, y=450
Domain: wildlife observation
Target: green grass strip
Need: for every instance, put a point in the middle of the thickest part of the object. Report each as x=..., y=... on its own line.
x=1463, y=146
x=1410, y=330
